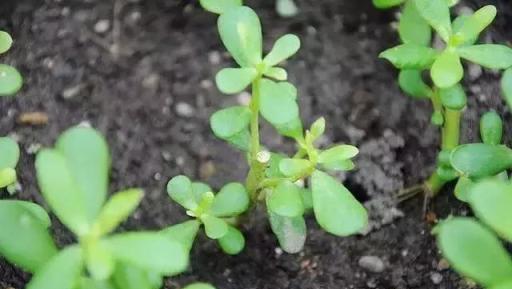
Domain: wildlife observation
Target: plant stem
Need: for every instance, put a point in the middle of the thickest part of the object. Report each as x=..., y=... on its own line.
x=450, y=134
x=257, y=166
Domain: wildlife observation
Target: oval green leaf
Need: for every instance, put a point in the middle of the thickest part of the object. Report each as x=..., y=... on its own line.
x=214, y=227
x=240, y=31
x=491, y=201
x=5, y=42
x=219, y=6
x=447, y=70
x=286, y=200
x=474, y=251
x=506, y=87
x=493, y=56
x=149, y=251
x=294, y=167
x=10, y=153
x=437, y=14
x=230, y=121
x=475, y=24
x=235, y=80
x=278, y=103
x=180, y=190
x=410, y=56
x=10, y=80
x=233, y=242
x=412, y=83
x=284, y=48
x=491, y=128
x=290, y=232
x=481, y=160
x=232, y=200
x=453, y=97
x=337, y=153
x=117, y=209
x=336, y=210
x=412, y=27
x=24, y=238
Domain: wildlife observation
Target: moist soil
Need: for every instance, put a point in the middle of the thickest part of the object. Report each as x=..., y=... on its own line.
x=142, y=73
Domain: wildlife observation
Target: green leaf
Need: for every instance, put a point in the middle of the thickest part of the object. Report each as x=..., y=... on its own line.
x=337, y=153
x=99, y=261
x=10, y=153
x=284, y=48
x=89, y=283
x=383, y=4
x=506, y=87
x=278, y=103
x=336, y=210
x=88, y=161
x=339, y=165
x=412, y=27
x=475, y=24
x=491, y=201
x=412, y=83
x=62, y=271
x=291, y=129
x=307, y=199
x=474, y=251
x=5, y=42
x=230, y=121
x=233, y=242
x=437, y=14
x=10, y=80
x=240, y=31
x=219, y=6
x=149, y=251
x=128, y=276
x=481, y=160
x=317, y=128
x=453, y=97
x=273, y=166
x=232, y=200
x=447, y=70
x=179, y=189
x=493, y=56
x=24, y=238
x=294, y=167
x=285, y=200
x=199, y=189
x=117, y=209
x=491, y=128
x=7, y=177
x=290, y=232
x=462, y=188
x=214, y=227
x=286, y=8
x=457, y=25
x=184, y=233
x=61, y=191
x=235, y=80
x=276, y=73
x=199, y=286
x=410, y=56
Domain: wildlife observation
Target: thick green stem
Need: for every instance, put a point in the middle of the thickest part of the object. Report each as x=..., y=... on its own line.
x=257, y=163
x=450, y=134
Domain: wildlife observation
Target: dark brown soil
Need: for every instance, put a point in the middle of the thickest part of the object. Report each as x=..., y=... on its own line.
x=153, y=98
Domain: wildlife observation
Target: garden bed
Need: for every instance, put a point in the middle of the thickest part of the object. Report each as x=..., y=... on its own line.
x=142, y=73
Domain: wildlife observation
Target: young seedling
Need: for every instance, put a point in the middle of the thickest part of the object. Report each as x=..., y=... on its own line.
x=273, y=179
x=472, y=247
x=10, y=78
x=9, y=156
x=414, y=56
x=73, y=177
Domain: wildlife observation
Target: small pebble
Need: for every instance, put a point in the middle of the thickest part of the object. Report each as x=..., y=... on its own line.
x=33, y=118
x=372, y=264
x=436, y=278
x=102, y=26
x=244, y=98
x=443, y=265
x=214, y=57
x=184, y=109
x=72, y=91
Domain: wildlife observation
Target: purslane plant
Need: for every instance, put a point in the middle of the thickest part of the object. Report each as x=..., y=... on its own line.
x=472, y=246
x=9, y=156
x=10, y=78
x=273, y=178
x=414, y=56
x=73, y=177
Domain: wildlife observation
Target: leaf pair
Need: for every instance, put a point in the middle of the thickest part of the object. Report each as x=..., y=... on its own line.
x=10, y=78
x=472, y=248
x=240, y=31
x=9, y=157
x=73, y=177
x=211, y=211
